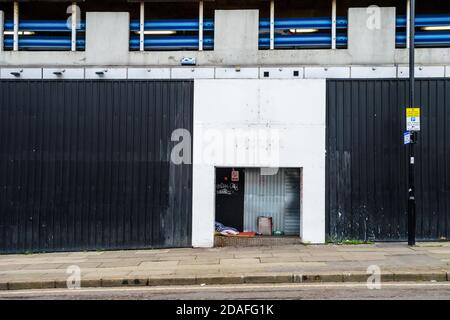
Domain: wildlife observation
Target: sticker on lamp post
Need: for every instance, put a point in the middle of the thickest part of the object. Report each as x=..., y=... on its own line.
x=407, y=137
x=413, y=119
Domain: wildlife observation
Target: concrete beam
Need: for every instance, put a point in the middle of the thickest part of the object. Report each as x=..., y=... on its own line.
x=265, y=58
x=2, y=23
x=371, y=35
x=107, y=38
x=236, y=34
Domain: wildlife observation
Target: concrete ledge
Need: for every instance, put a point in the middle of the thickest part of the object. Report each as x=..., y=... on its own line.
x=326, y=277
x=264, y=58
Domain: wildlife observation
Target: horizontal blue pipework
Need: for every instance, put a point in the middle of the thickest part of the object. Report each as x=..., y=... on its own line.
x=44, y=25
x=44, y=42
x=429, y=38
x=302, y=40
x=181, y=42
x=292, y=23
x=175, y=25
x=426, y=20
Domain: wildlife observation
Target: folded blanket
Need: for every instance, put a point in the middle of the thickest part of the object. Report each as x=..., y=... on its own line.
x=225, y=230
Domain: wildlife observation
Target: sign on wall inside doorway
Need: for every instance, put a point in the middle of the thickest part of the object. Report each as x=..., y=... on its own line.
x=235, y=176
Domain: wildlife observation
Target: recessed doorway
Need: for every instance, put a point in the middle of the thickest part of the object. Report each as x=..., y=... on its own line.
x=244, y=196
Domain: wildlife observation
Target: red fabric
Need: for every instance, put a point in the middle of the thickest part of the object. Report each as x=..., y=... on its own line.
x=243, y=235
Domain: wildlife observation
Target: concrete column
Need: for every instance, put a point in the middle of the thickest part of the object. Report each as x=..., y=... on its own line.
x=107, y=37
x=236, y=34
x=371, y=35
x=2, y=23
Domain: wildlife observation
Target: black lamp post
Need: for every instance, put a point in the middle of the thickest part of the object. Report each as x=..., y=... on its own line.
x=411, y=160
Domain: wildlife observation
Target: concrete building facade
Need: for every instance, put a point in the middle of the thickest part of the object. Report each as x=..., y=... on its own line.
x=239, y=89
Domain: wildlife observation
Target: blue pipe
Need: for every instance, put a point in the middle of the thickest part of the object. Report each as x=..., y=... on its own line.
x=173, y=42
x=43, y=25
x=292, y=23
x=302, y=40
x=176, y=25
x=426, y=38
x=426, y=20
x=44, y=42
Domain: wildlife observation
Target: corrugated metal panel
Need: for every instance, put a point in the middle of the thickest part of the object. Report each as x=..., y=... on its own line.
x=85, y=165
x=291, y=201
x=367, y=161
x=276, y=196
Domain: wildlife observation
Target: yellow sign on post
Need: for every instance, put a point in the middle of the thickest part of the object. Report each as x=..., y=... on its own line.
x=413, y=112
x=413, y=119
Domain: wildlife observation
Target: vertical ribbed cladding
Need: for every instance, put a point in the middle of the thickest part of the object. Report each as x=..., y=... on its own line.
x=86, y=165
x=367, y=161
x=277, y=196
x=292, y=211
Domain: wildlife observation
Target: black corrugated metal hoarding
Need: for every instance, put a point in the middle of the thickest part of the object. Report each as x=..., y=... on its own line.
x=86, y=165
x=367, y=161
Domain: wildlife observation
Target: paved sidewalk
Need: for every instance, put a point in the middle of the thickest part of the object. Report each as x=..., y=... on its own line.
x=280, y=264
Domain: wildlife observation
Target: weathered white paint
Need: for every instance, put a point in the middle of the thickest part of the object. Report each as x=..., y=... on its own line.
x=327, y=72
x=148, y=73
x=192, y=73
x=423, y=72
x=21, y=73
x=281, y=73
x=106, y=73
x=237, y=73
x=63, y=73
x=373, y=72
x=288, y=116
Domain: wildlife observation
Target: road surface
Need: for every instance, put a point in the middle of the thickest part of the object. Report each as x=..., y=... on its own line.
x=424, y=290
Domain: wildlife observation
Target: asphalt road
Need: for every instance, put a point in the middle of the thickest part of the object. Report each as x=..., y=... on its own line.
x=390, y=291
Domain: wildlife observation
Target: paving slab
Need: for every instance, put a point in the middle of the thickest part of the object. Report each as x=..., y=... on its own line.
x=206, y=261
x=239, y=262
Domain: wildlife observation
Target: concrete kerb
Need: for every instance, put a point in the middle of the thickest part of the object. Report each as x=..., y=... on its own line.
x=338, y=277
